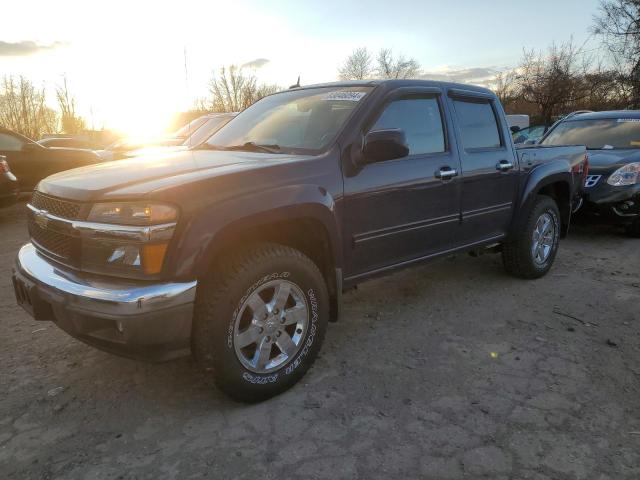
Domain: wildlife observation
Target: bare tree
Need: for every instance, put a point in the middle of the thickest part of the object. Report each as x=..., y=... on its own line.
x=23, y=108
x=69, y=121
x=618, y=24
x=357, y=66
x=233, y=90
x=391, y=67
x=506, y=87
x=552, y=80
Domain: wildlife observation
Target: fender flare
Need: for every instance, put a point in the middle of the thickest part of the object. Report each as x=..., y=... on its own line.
x=556, y=172
x=196, y=243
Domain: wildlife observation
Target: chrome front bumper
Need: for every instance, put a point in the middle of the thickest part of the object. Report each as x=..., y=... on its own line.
x=135, y=319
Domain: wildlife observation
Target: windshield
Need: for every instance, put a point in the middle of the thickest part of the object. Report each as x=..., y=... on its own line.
x=605, y=134
x=529, y=133
x=296, y=121
x=207, y=129
x=192, y=126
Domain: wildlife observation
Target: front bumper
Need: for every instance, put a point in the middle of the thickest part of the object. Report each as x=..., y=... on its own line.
x=617, y=205
x=129, y=318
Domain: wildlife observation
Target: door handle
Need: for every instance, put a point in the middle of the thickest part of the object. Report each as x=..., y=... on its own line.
x=504, y=165
x=446, y=173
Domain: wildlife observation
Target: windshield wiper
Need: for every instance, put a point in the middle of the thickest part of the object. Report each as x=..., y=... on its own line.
x=255, y=147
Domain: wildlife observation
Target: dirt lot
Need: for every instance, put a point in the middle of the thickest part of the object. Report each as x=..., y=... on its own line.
x=451, y=370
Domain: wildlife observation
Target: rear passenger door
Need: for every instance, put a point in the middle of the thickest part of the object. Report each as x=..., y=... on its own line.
x=489, y=171
x=403, y=209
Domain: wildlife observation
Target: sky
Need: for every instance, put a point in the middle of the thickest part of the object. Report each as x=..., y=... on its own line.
x=125, y=60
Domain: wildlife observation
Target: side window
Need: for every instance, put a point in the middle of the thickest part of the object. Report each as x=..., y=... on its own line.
x=478, y=124
x=9, y=143
x=421, y=121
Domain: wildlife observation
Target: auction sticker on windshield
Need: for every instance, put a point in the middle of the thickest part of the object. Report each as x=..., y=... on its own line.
x=344, y=95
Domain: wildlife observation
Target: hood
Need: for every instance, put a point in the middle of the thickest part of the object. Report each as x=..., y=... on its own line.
x=147, y=151
x=65, y=152
x=141, y=175
x=610, y=160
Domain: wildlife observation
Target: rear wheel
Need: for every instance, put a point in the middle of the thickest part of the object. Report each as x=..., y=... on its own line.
x=260, y=321
x=532, y=251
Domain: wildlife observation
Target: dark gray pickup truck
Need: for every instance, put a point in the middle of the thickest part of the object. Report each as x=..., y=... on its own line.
x=238, y=251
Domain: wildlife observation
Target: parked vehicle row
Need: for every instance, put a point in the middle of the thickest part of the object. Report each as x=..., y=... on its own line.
x=207, y=126
x=239, y=249
x=30, y=162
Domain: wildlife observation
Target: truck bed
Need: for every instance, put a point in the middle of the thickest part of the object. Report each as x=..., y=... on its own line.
x=531, y=155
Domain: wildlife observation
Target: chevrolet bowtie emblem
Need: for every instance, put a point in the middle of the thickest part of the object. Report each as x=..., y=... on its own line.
x=41, y=218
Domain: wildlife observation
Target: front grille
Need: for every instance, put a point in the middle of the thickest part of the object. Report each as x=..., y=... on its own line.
x=55, y=206
x=53, y=242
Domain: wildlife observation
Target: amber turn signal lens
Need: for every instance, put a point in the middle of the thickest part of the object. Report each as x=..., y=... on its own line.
x=153, y=257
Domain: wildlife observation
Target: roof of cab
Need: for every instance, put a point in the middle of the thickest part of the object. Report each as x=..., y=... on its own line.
x=397, y=84
x=605, y=115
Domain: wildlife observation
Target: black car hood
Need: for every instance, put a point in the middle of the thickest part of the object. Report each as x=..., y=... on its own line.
x=610, y=160
x=142, y=175
x=71, y=152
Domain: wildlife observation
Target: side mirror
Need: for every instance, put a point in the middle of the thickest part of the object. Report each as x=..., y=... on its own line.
x=382, y=145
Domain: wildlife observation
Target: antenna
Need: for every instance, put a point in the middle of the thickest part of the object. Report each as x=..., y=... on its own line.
x=297, y=85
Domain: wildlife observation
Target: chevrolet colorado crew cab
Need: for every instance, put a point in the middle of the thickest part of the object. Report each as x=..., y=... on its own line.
x=239, y=249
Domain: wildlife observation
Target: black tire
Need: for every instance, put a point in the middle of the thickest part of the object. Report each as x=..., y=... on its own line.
x=633, y=230
x=219, y=300
x=517, y=253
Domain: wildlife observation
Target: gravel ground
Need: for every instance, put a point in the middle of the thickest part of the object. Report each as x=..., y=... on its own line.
x=446, y=371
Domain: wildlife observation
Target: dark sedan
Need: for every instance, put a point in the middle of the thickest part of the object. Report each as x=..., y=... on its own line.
x=30, y=162
x=612, y=191
x=70, y=142
x=8, y=184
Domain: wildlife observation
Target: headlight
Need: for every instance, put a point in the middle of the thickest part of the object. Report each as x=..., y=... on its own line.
x=128, y=239
x=627, y=175
x=133, y=213
x=126, y=259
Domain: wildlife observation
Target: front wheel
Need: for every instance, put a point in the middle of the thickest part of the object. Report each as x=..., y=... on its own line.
x=532, y=250
x=260, y=321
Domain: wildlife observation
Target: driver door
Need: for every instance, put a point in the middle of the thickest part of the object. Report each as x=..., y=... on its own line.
x=402, y=210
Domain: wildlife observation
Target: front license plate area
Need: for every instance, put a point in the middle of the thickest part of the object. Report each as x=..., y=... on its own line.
x=27, y=297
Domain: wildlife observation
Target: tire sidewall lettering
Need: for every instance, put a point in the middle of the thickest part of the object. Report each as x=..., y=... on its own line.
x=313, y=302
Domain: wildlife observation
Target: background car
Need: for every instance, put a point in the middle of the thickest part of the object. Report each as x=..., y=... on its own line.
x=30, y=162
x=69, y=142
x=518, y=121
x=207, y=126
x=530, y=134
x=612, y=189
x=8, y=184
